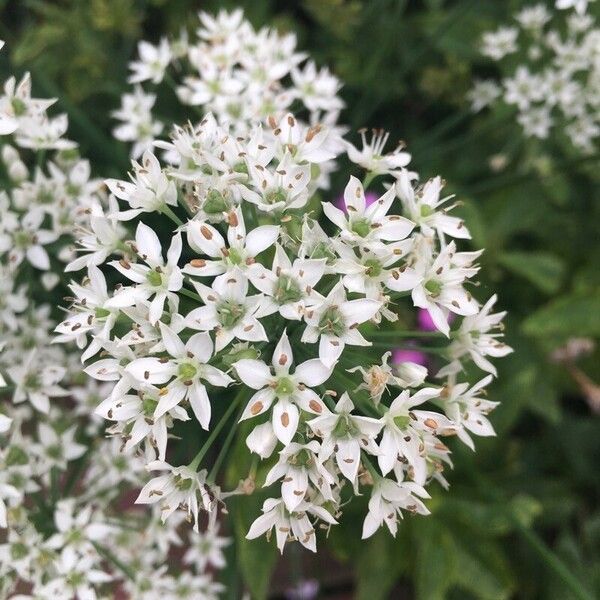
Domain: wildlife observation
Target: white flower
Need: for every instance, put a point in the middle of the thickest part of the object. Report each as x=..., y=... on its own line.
x=180, y=487
x=497, y=44
x=468, y=411
x=155, y=279
x=388, y=499
x=425, y=208
x=289, y=526
x=152, y=64
x=28, y=241
x=404, y=430
x=36, y=383
x=334, y=323
x=290, y=390
x=184, y=372
x=579, y=5
x=229, y=311
x=371, y=156
x=238, y=255
x=149, y=191
x=138, y=124
x=346, y=435
x=441, y=290
x=473, y=338
x=290, y=285
x=206, y=549
x=367, y=226
x=300, y=466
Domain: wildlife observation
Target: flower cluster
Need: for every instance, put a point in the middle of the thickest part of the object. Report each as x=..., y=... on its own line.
x=262, y=302
x=67, y=529
x=551, y=72
x=239, y=74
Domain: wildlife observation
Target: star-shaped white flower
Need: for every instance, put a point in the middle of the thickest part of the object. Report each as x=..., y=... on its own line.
x=290, y=285
x=157, y=278
x=238, y=254
x=229, y=311
x=346, y=435
x=367, y=225
x=186, y=370
x=288, y=390
x=334, y=323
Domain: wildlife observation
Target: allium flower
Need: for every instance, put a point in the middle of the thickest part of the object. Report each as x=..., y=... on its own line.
x=180, y=487
x=289, y=526
x=346, y=435
x=289, y=391
x=255, y=277
x=372, y=158
x=552, y=77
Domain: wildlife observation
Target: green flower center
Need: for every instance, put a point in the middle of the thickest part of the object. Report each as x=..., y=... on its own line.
x=426, y=210
x=332, y=322
x=16, y=456
x=402, y=421
x=101, y=313
x=149, y=405
x=301, y=459
x=215, y=202
x=230, y=313
x=345, y=428
x=22, y=239
x=374, y=267
x=183, y=483
x=19, y=107
x=18, y=551
x=275, y=196
x=285, y=387
x=235, y=256
x=322, y=250
x=361, y=227
x=287, y=290
x=433, y=287
x=154, y=278
x=186, y=371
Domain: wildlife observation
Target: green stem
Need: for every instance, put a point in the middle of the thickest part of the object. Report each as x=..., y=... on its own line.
x=166, y=210
x=108, y=555
x=386, y=335
x=553, y=562
x=222, y=453
x=215, y=432
x=191, y=294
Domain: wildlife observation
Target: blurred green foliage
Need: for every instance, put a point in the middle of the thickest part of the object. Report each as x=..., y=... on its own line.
x=522, y=517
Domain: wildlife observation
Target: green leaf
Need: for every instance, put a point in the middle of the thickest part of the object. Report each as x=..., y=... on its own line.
x=472, y=575
x=256, y=558
x=435, y=563
x=542, y=269
x=379, y=567
x=572, y=315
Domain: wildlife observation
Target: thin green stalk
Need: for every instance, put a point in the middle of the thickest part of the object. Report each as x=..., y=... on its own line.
x=191, y=294
x=386, y=335
x=553, y=562
x=108, y=555
x=215, y=432
x=222, y=453
x=167, y=211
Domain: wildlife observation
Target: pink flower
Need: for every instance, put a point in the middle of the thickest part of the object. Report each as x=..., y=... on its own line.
x=425, y=322
x=400, y=355
x=370, y=197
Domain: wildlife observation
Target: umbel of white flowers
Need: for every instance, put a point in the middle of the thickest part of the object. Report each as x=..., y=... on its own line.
x=65, y=531
x=262, y=300
x=552, y=78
